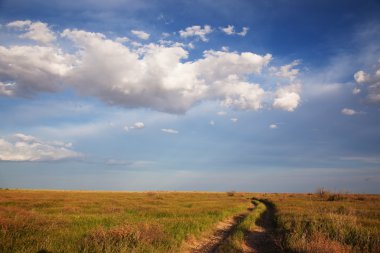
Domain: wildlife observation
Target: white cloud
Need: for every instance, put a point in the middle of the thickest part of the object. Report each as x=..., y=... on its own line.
x=272, y=126
x=150, y=76
x=234, y=120
x=287, y=71
x=158, y=79
x=361, y=77
x=196, y=31
x=243, y=32
x=23, y=147
x=122, y=39
x=372, y=87
x=229, y=30
x=127, y=163
x=377, y=73
x=118, y=162
x=287, y=98
x=241, y=95
x=7, y=89
x=349, y=112
x=33, y=69
x=169, y=131
x=19, y=24
x=141, y=34
x=356, y=91
x=212, y=122
x=217, y=65
x=221, y=113
x=36, y=31
x=225, y=49
x=165, y=35
x=138, y=125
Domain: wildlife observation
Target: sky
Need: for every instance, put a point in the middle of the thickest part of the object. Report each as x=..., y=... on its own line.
x=261, y=96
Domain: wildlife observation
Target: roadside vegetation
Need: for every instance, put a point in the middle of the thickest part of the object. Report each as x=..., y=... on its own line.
x=78, y=221
x=235, y=242
x=327, y=221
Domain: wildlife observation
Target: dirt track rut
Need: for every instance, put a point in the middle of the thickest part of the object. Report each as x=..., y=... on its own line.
x=261, y=240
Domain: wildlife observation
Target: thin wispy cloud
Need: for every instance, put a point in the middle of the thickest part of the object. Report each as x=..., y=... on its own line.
x=21, y=147
x=273, y=126
x=140, y=34
x=169, y=131
x=349, y=112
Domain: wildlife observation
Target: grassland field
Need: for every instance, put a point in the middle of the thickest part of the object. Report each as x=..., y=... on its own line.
x=86, y=221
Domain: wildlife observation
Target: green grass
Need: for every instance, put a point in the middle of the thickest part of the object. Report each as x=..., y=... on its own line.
x=79, y=221
x=235, y=241
x=75, y=221
x=328, y=222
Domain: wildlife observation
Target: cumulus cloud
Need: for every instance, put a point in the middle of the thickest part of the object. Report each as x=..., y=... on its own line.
x=243, y=32
x=287, y=71
x=230, y=30
x=234, y=120
x=138, y=125
x=370, y=83
x=212, y=122
x=221, y=113
x=154, y=76
x=196, y=31
x=169, y=130
x=140, y=34
x=32, y=69
x=36, y=31
x=22, y=147
x=287, y=98
x=349, y=112
x=361, y=76
x=240, y=95
x=19, y=24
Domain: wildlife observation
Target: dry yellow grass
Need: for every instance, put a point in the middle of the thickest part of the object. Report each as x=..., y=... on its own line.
x=77, y=221
x=328, y=222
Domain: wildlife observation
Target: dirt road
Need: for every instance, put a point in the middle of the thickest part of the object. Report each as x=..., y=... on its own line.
x=223, y=230
x=261, y=239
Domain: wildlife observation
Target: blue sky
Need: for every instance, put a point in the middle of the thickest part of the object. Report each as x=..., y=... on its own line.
x=276, y=96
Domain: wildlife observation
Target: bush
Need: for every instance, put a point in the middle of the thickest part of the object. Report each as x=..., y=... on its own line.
x=231, y=193
x=335, y=197
x=322, y=192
